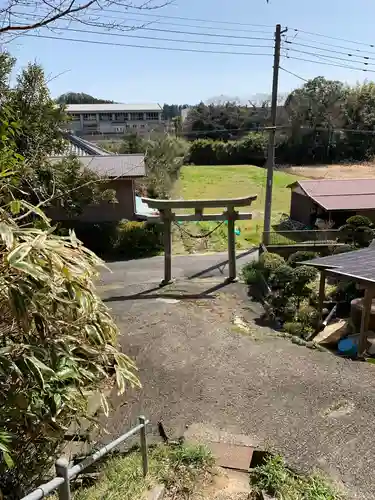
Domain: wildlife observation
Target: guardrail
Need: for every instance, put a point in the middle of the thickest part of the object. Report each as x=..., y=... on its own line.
x=310, y=237
x=64, y=474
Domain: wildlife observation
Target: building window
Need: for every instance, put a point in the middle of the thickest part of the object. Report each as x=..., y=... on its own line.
x=134, y=126
x=152, y=116
x=89, y=117
x=136, y=116
x=75, y=117
x=142, y=126
x=121, y=117
x=105, y=117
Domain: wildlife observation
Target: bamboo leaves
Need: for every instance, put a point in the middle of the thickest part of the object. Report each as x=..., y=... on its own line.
x=58, y=342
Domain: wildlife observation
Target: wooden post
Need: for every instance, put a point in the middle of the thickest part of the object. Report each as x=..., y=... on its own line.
x=322, y=289
x=167, y=218
x=231, y=244
x=366, y=311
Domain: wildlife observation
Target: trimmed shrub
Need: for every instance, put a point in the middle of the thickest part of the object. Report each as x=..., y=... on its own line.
x=202, y=152
x=282, y=307
x=359, y=221
x=251, y=273
x=357, y=231
x=308, y=316
x=301, y=256
x=269, y=262
x=249, y=150
x=123, y=240
x=137, y=239
x=303, y=275
x=281, y=276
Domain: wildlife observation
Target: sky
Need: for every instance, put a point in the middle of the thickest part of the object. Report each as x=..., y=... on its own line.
x=131, y=75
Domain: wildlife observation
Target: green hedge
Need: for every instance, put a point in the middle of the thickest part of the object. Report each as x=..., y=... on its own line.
x=249, y=150
x=122, y=240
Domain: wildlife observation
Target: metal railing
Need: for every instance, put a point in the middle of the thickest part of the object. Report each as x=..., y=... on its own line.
x=306, y=236
x=64, y=474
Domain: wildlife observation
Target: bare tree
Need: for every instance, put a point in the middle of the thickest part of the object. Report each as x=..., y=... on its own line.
x=24, y=15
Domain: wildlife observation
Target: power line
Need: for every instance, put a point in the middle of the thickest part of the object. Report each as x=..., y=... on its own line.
x=294, y=74
x=177, y=49
x=327, y=50
x=29, y=15
x=192, y=33
x=334, y=58
x=333, y=37
x=104, y=33
x=212, y=21
x=328, y=63
x=353, y=49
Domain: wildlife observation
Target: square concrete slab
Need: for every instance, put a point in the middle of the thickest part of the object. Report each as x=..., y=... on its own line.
x=231, y=456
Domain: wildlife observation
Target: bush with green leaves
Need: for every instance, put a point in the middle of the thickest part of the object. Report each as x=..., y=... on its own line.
x=282, y=307
x=119, y=240
x=257, y=273
x=138, y=239
x=358, y=231
x=281, y=277
x=269, y=262
x=164, y=158
x=301, y=256
x=359, y=221
x=252, y=273
x=248, y=150
x=302, y=277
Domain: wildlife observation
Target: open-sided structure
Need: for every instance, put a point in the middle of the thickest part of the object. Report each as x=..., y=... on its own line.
x=359, y=266
x=167, y=209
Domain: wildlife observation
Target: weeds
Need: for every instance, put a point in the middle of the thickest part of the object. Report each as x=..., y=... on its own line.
x=276, y=479
x=178, y=467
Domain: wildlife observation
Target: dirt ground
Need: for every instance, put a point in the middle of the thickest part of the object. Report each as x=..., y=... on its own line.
x=341, y=171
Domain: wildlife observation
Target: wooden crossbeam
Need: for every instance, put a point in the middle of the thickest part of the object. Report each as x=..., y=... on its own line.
x=232, y=202
x=203, y=217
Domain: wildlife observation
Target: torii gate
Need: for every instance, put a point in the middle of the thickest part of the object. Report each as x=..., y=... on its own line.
x=167, y=209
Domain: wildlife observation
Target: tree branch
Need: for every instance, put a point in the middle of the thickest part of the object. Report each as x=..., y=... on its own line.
x=57, y=12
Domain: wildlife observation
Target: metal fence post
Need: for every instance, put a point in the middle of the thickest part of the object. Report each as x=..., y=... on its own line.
x=142, y=420
x=62, y=470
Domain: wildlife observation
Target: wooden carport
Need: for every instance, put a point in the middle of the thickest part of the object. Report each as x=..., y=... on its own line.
x=359, y=266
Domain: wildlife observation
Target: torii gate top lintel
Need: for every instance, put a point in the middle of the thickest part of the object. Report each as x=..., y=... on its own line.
x=167, y=216
x=215, y=203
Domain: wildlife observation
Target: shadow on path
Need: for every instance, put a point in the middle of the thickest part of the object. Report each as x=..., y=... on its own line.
x=221, y=265
x=148, y=294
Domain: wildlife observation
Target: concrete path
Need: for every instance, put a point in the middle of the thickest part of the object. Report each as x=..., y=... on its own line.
x=183, y=266
x=198, y=369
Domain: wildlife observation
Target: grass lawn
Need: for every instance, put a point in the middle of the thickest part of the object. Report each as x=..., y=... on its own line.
x=198, y=182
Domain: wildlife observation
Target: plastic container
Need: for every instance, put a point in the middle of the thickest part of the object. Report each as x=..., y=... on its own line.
x=348, y=347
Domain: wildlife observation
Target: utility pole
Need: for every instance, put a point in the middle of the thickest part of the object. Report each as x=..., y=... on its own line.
x=272, y=136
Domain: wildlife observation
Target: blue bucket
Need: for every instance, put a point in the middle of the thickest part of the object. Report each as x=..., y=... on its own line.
x=348, y=347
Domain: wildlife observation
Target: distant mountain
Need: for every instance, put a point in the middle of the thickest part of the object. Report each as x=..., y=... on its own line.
x=80, y=98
